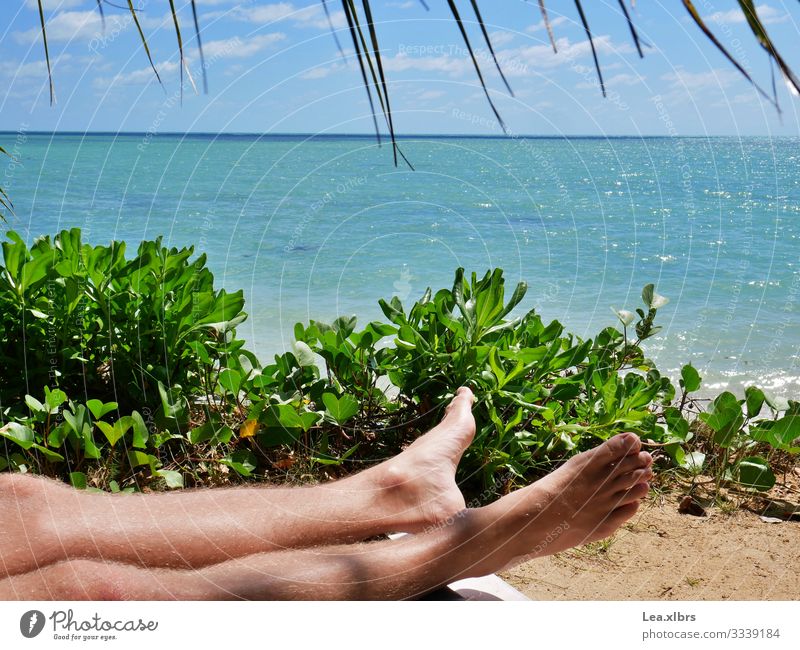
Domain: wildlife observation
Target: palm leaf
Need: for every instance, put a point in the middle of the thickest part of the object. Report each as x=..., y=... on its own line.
x=47, y=55
x=710, y=35
x=330, y=25
x=757, y=27
x=183, y=65
x=200, y=48
x=359, y=59
x=377, y=53
x=489, y=44
x=547, y=25
x=457, y=17
x=102, y=13
x=591, y=44
x=143, y=39
x=634, y=33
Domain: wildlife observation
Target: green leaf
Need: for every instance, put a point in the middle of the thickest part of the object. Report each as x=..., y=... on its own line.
x=690, y=378
x=230, y=380
x=172, y=478
x=99, y=409
x=754, y=398
x=725, y=417
x=242, y=461
x=694, y=461
x=340, y=409
x=786, y=430
x=754, y=472
x=626, y=317
x=224, y=313
x=77, y=480
x=304, y=355
x=651, y=299
x=173, y=403
x=18, y=433
x=140, y=431
x=54, y=398
x=139, y=458
x=49, y=454
x=34, y=404
x=115, y=432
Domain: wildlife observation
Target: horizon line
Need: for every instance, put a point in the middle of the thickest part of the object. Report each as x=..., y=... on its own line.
x=385, y=138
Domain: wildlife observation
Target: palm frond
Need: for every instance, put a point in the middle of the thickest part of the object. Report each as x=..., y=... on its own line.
x=47, y=54
x=757, y=27
x=634, y=33
x=360, y=60
x=330, y=25
x=144, y=40
x=547, y=25
x=710, y=35
x=102, y=13
x=462, y=29
x=377, y=54
x=489, y=44
x=368, y=55
x=183, y=65
x=200, y=48
x=591, y=44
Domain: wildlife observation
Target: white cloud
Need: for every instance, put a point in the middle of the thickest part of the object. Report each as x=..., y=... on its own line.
x=516, y=62
x=430, y=94
x=686, y=81
x=137, y=77
x=69, y=25
x=622, y=79
x=240, y=48
x=499, y=39
x=540, y=26
x=36, y=70
x=322, y=71
x=768, y=14
x=310, y=16
x=50, y=5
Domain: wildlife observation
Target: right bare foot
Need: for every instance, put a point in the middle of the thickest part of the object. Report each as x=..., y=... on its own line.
x=584, y=500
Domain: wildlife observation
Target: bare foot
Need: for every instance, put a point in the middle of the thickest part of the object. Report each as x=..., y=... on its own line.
x=418, y=485
x=584, y=500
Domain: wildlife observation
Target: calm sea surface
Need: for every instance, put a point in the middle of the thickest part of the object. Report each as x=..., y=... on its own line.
x=322, y=227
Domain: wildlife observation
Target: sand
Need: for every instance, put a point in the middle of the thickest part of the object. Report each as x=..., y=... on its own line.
x=664, y=555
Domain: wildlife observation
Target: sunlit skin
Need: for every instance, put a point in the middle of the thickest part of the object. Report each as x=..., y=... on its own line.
x=307, y=542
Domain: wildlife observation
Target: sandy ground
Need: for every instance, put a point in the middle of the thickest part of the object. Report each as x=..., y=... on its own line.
x=663, y=555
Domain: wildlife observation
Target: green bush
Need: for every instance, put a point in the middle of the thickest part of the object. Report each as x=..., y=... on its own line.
x=121, y=373
x=88, y=320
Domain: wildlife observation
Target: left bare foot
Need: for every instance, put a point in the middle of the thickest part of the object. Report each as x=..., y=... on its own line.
x=419, y=484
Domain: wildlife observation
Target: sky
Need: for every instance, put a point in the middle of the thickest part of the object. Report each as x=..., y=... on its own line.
x=275, y=67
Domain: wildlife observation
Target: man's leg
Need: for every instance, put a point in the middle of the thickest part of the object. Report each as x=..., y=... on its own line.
x=47, y=522
x=586, y=499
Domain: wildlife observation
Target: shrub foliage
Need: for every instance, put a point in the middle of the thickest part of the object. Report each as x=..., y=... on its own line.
x=120, y=373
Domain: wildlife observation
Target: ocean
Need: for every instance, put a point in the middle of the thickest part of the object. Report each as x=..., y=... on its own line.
x=315, y=227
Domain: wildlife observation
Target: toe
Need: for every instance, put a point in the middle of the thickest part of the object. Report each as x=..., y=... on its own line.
x=623, y=444
x=460, y=408
x=625, y=481
x=619, y=516
x=631, y=495
x=630, y=463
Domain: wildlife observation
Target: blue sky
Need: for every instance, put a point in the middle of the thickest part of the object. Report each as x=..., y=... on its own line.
x=274, y=67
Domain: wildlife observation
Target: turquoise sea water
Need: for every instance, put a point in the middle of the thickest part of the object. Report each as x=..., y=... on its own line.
x=322, y=227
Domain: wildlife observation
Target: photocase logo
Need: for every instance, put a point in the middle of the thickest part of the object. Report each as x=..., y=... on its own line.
x=31, y=623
